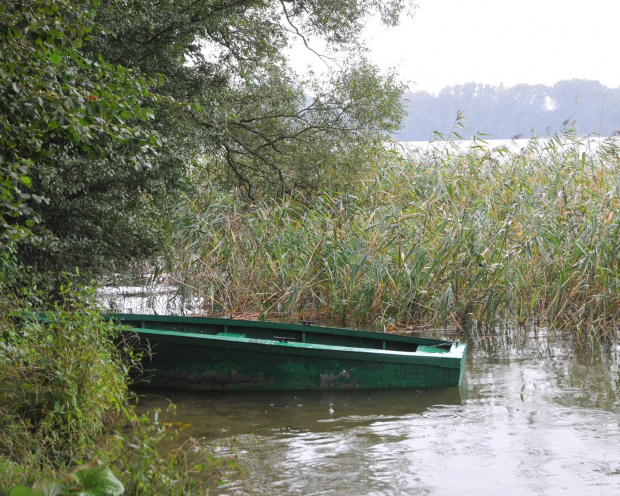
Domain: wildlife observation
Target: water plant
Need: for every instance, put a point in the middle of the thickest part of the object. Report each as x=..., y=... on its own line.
x=449, y=235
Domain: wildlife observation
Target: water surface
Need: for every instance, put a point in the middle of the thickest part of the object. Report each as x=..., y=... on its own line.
x=535, y=416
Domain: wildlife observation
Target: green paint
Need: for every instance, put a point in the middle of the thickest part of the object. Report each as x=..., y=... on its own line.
x=197, y=353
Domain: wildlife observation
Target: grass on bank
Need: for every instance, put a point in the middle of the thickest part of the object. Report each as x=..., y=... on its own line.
x=66, y=421
x=441, y=236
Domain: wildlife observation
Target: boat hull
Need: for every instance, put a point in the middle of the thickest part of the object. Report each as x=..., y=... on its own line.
x=242, y=355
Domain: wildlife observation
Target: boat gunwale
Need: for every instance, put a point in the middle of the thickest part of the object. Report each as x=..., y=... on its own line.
x=258, y=324
x=449, y=359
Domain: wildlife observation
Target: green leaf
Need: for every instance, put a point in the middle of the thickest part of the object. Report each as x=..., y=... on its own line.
x=98, y=481
x=25, y=180
x=55, y=58
x=48, y=488
x=29, y=110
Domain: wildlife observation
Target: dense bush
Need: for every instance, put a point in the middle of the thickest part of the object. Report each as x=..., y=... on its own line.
x=66, y=422
x=62, y=382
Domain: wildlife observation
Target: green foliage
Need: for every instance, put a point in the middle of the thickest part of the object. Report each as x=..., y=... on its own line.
x=62, y=382
x=143, y=458
x=64, y=399
x=71, y=126
x=87, y=480
x=442, y=237
x=250, y=121
x=109, y=106
x=78, y=133
x=150, y=458
x=278, y=141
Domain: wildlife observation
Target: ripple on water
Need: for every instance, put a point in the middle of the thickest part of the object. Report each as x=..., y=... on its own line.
x=446, y=412
x=528, y=424
x=589, y=421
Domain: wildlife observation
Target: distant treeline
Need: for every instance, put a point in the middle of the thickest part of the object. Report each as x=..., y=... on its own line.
x=519, y=111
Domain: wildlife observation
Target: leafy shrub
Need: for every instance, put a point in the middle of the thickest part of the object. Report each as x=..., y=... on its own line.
x=86, y=480
x=63, y=391
x=142, y=459
x=62, y=380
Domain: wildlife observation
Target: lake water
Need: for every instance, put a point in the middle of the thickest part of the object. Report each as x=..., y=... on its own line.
x=535, y=416
x=498, y=148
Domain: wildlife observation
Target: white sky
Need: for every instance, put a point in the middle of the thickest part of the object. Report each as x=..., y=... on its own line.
x=499, y=41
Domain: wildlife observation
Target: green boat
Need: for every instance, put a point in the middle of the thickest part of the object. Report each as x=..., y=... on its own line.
x=224, y=354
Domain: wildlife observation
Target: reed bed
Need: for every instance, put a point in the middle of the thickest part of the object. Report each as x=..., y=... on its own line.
x=470, y=239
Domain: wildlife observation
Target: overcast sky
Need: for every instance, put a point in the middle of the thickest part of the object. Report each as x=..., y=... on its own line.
x=498, y=41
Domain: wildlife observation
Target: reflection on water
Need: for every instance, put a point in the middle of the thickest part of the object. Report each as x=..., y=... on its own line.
x=535, y=417
x=213, y=414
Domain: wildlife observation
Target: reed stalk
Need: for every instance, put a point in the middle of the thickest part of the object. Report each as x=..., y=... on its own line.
x=435, y=237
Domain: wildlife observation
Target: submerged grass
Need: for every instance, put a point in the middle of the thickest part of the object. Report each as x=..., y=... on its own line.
x=436, y=237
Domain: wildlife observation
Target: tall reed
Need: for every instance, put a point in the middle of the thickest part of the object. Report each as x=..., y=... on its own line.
x=434, y=237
